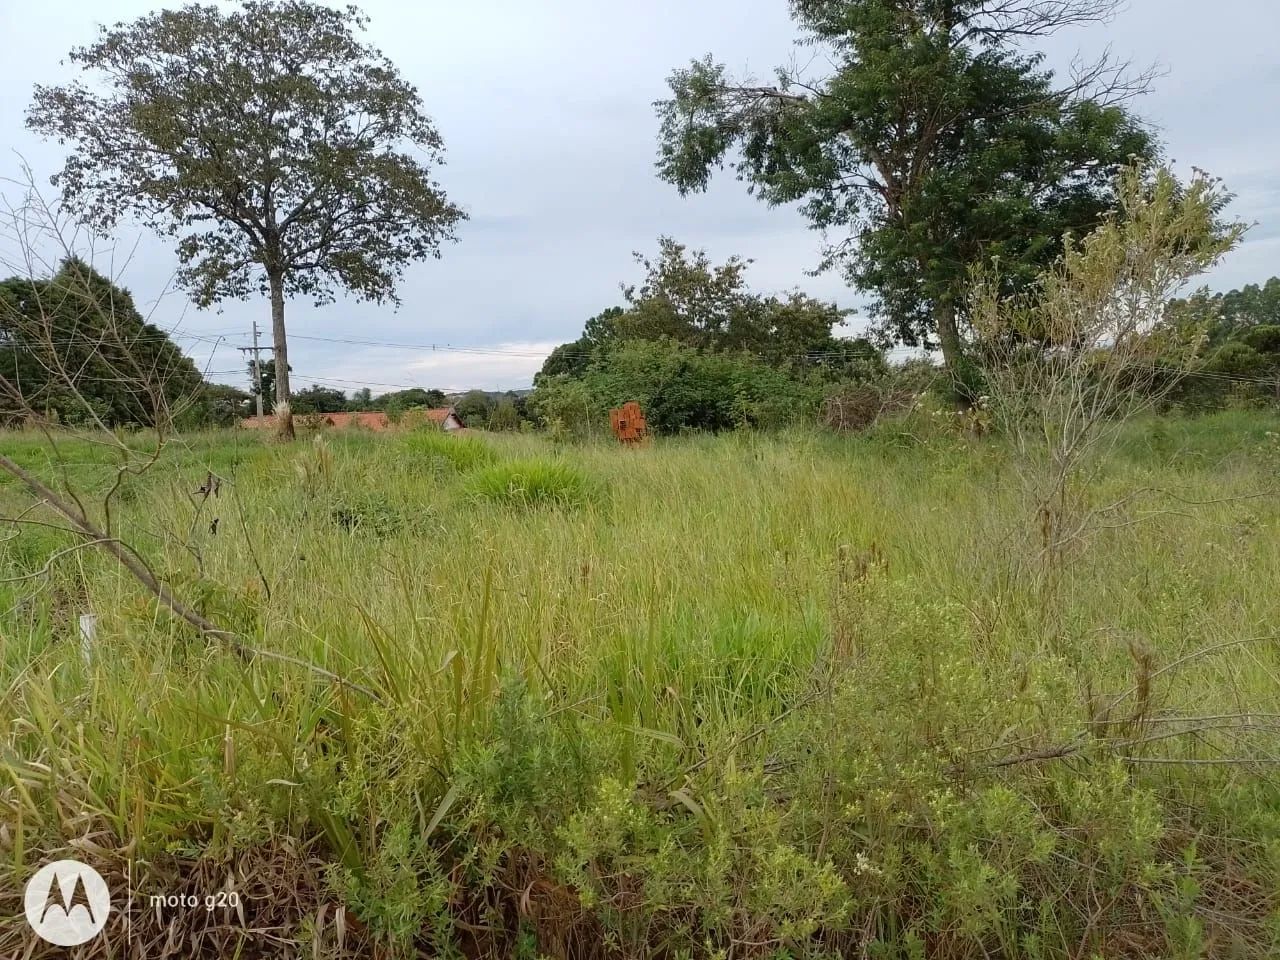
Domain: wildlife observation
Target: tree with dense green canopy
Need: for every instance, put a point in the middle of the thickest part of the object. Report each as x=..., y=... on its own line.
x=75, y=348
x=700, y=351
x=936, y=144
x=225, y=405
x=1227, y=315
x=284, y=155
x=686, y=298
x=318, y=399
x=1240, y=357
x=572, y=358
x=405, y=399
x=474, y=407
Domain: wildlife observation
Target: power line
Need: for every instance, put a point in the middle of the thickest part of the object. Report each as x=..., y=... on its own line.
x=443, y=347
x=218, y=336
x=375, y=383
x=540, y=354
x=1204, y=374
x=142, y=338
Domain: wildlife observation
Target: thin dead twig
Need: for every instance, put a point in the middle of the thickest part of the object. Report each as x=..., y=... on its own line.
x=133, y=563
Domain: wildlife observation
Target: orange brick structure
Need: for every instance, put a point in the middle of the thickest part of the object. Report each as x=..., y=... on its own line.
x=628, y=424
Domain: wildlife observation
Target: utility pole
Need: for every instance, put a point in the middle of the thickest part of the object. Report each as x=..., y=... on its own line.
x=257, y=371
x=257, y=374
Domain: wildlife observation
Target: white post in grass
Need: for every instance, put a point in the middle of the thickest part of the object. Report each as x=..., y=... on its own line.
x=88, y=634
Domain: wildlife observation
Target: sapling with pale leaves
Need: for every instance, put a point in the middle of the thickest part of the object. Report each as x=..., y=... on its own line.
x=1070, y=361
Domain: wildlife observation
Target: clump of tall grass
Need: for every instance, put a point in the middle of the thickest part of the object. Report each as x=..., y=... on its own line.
x=532, y=482
x=378, y=517
x=460, y=454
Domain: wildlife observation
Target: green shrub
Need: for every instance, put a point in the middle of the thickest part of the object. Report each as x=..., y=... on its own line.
x=568, y=409
x=679, y=388
x=373, y=515
x=529, y=482
x=504, y=416
x=1264, y=338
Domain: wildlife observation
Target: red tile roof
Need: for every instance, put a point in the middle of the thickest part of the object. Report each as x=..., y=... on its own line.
x=376, y=421
x=370, y=421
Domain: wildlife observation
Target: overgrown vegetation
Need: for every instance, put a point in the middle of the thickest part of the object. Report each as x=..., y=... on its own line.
x=699, y=351
x=769, y=697
x=929, y=137
x=741, y=692
x=430, y=444
x=280, y=152
x=1240, y=354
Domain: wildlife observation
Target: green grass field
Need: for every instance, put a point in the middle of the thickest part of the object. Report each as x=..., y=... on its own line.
x=720, y=697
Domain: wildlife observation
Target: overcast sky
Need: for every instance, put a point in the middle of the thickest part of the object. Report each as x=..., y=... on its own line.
x=545, y=109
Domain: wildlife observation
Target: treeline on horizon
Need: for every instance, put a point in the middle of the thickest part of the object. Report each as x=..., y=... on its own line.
x=700, y=352
x=692, y=344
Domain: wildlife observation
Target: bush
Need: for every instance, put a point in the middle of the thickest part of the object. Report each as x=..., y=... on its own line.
x=530, y=482
x=504, y=416
x=566, y=408
x=679, y=388
x=1233, y=374
x=1237, y=359
x=474, y=407
x=1265, y=338
x=918, y=375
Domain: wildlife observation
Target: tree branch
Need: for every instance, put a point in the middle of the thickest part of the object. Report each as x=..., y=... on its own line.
x=128, y=558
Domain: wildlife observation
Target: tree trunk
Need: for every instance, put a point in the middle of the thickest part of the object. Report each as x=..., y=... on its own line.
x=944, y=319
x=284, y=415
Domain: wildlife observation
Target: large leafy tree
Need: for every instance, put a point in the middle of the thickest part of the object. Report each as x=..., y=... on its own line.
x=937, y=142
x=318, y=399
x=225, y=405
x=572, y=358
x=405, y=399
x=687, y=298
x=74, y=347
x=474, y=406
x=1240, y=354
x=284, y=155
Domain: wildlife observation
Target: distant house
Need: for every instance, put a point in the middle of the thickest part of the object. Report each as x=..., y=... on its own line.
x=446, y=417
